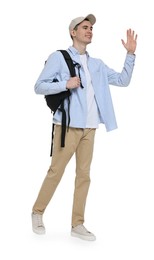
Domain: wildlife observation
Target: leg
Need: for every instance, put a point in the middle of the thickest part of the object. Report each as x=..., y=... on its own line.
x=60, y=158
x=84, y=154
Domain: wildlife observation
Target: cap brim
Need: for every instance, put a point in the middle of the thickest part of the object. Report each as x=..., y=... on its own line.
x=91, y=18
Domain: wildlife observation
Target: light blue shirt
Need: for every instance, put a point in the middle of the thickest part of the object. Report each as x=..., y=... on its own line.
x=101, y=75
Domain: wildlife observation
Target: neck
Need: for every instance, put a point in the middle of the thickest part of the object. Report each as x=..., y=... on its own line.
x=81, y=48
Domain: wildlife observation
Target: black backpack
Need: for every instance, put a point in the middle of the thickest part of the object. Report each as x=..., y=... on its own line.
x=56, y=101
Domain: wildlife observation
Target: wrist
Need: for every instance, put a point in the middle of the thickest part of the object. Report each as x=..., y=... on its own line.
x=130, y=52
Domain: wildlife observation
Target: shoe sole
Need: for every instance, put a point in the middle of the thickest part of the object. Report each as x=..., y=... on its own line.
x=87, y=238
x=38, y=232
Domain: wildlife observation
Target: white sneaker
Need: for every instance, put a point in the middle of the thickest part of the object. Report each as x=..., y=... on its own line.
x=81, y=232
x=37, y=224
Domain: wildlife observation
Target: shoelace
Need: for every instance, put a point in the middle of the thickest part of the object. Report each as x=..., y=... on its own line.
x=39, y=221
x=83, y=228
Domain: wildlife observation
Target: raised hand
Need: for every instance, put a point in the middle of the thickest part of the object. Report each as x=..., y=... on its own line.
x=131, y=43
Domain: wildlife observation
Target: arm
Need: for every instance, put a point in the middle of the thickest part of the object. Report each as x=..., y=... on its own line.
x=45, y=84
x=55, y=68
x=123, y=78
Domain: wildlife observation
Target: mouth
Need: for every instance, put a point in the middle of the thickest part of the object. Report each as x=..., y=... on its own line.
x=88, y=36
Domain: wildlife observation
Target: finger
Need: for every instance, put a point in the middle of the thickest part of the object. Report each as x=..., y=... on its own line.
x=123, y=42
x=128, y=32
x=133, y=33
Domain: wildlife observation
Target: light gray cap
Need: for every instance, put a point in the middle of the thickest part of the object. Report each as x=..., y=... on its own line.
x=78, y=20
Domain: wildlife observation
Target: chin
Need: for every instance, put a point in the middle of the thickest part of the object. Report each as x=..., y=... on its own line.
x=89, y=42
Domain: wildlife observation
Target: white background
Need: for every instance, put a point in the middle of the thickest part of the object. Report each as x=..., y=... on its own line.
x=120, y=203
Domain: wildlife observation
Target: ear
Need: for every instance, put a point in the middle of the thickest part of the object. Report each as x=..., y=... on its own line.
x=73, y=33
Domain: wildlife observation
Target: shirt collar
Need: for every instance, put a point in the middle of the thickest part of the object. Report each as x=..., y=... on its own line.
x=75, y=51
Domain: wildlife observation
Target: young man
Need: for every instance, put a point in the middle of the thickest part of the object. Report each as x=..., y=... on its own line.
x=90, y=105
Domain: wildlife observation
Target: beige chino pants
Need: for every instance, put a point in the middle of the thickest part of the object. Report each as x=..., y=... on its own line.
x=78, y=141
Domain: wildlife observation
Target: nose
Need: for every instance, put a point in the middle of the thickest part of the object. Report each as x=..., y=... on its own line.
x=89, y=31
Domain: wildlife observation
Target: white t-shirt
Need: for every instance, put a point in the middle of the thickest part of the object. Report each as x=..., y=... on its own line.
x=92, y=110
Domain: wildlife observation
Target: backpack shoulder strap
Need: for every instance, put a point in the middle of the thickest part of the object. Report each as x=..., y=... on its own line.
x=69, y=62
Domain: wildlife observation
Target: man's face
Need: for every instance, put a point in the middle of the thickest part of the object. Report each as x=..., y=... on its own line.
x=83, y=34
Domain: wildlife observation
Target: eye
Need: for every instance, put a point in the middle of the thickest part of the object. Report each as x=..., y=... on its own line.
x=86, y=27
